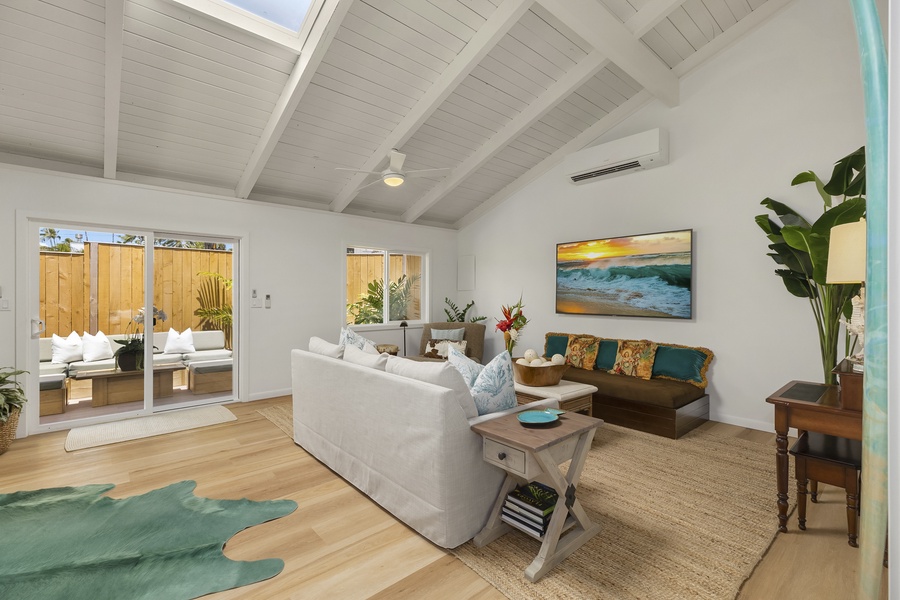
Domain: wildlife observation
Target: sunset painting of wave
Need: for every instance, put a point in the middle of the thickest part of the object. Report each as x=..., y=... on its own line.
x=645, y=275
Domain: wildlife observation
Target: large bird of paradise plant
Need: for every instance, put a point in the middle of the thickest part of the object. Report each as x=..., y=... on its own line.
x=801, y=248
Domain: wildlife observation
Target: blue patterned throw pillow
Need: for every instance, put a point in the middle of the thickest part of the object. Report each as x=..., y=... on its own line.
x=492, y=385
x=351, y=338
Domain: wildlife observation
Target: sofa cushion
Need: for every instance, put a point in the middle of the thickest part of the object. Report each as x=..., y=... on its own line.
x=357, y=356
x=457, y=335
x=320, y=346
x=582, y=352
x=159, y=360
x=351, y=338
x=52, y=382
x=66, y=349
x=657, y=392
x=95, y=347
x=606, y=354
x=49, y=368
x=493, y=388
x=682, y=363
x=213, y=339
x=439, y=373
x=635, y=358
x=211, y=366
x=179, y=343
x=556, y=343
x=201, y=355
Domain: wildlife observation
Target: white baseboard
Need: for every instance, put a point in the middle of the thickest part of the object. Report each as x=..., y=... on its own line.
x=270, y=394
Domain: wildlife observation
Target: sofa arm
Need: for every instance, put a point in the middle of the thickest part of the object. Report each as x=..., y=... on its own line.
x=536, y=405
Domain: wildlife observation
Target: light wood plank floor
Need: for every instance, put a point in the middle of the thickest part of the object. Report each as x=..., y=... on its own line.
x=339, y=544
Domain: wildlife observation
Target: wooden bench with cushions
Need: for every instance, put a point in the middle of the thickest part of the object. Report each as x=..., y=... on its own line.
x=670, y=402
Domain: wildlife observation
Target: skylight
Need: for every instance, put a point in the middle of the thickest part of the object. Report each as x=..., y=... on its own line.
x=287, y=13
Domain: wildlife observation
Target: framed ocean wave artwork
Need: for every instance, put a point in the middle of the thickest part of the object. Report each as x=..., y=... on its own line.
x=647, y=275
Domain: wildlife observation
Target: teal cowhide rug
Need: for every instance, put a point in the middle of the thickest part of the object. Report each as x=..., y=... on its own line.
x=74, y=543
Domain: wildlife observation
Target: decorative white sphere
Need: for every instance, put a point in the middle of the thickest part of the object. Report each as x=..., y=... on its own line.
x=558, y=359
x=546, y=363
x=523, y=362
x=530, y=355
x=537, y=362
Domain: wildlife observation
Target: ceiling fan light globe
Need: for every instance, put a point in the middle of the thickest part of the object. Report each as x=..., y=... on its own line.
x=392, y=179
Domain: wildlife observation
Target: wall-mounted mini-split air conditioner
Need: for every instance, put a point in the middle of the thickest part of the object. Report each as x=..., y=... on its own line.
x=625, y=155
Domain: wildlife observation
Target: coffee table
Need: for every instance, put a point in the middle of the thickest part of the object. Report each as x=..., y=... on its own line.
x=534, y=454
x=112, y=386
x=572, y=396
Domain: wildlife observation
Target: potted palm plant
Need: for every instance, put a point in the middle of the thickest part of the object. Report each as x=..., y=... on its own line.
x=12, y=397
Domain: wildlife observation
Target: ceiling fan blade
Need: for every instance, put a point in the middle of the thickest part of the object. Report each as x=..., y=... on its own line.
x=397, y=159
x=426, y=172
x=356, y=170
x=368, y=184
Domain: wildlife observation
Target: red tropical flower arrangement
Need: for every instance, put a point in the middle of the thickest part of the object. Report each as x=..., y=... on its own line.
x=513, y=321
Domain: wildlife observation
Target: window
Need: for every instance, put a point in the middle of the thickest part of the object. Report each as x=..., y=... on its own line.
x=369, y=300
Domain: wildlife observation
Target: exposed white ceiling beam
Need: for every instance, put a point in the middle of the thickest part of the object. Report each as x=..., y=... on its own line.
x=323, y=32
x=497, y=25
x=641, y=22
x=114, y=31
x=619, y=114
x=730, y=36
x=603, y=30
x=573, y=79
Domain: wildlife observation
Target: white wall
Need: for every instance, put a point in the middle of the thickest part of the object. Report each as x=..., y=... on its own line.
x=785, y=99
x=296, y=255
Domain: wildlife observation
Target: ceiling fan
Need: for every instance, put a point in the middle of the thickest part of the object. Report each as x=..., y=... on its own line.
x=394, y=175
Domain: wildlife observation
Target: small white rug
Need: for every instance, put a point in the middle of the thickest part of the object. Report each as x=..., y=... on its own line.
x=141, y=427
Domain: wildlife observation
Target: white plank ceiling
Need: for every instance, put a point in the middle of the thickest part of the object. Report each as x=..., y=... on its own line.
x=497, y=91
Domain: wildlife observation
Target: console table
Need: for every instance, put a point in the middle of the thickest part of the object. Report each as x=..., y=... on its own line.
x=534, y=454
x=808, y=407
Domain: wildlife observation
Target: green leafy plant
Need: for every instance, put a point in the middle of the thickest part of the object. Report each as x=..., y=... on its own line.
x=801, y=248
x=12, y=395
x=132, y=344
x=458, y=315
x=215, y=311
x=370, y=306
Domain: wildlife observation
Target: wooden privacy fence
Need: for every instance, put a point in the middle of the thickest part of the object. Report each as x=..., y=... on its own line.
x=363, y=268
x=103, y=289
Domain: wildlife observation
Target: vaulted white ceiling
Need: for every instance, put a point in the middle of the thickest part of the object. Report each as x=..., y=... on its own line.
x=499, y=91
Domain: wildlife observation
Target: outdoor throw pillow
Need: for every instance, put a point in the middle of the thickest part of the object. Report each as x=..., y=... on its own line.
x=492, y=388
x=320, y=346
x=354, y=355
x=351, y=338
x=179, y=343
x=65, y=349
x=448, y=334
x=96, y=347
x=582, y=352
x=635, y=358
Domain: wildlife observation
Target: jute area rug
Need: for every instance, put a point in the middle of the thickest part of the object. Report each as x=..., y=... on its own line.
x=142, y=427
x=680, y=519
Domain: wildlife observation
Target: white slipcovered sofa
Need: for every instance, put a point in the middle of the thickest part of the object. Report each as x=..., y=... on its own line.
x=405, y=443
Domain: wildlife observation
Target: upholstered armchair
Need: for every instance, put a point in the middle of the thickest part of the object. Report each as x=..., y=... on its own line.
x=474, y=337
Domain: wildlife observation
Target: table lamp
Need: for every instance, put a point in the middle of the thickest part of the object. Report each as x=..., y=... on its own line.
x=847, y=264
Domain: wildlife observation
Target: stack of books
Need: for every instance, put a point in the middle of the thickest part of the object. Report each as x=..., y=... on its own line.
x=529, y=507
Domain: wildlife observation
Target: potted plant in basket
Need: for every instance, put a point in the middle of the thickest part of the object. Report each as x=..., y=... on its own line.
x=12, y=397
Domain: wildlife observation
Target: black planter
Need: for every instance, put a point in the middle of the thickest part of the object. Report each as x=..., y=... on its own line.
x=127, y=361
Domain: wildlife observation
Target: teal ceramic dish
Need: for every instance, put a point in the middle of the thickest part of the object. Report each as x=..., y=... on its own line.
x=536, y=417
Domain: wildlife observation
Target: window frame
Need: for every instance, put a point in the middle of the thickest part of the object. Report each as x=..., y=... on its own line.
x=424, y=307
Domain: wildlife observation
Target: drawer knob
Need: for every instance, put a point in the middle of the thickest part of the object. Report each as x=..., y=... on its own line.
x=502, y=456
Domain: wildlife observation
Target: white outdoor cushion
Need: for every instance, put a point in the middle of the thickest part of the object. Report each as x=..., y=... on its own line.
x=351, y=338
x=66, y=350
x=179, y=343
x=356, y=356
x=96, y=347
x=438, y=373
x=493, y=388
x=320, y=346
x=448, y=334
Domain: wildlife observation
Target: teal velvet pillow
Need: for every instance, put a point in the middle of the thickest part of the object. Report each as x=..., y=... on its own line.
x=682, y=363
x=606, y=357
x=556, y=344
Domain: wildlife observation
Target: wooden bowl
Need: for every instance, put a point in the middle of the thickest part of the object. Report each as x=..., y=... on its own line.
x=538, y=376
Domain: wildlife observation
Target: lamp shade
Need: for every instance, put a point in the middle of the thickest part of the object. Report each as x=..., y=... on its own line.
x=847, y=253
x=392, y=179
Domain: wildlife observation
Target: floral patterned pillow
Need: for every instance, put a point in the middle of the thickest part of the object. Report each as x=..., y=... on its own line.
x=492, y=385
x=582, y=352
x=635, y=358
